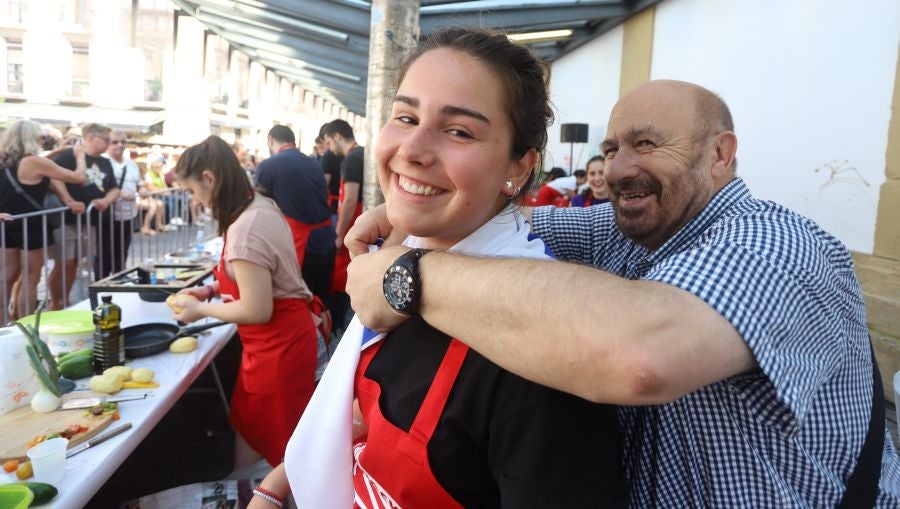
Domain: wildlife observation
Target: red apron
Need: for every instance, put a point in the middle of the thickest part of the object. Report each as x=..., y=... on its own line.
x=300, y=232
x=277, y=372
x=391, y=467
x=342, y=258
x=547, y=196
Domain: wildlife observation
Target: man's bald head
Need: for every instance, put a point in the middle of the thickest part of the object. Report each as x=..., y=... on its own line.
x=709, y=115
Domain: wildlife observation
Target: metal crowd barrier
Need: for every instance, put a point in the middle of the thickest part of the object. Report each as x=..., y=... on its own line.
x=92, y=264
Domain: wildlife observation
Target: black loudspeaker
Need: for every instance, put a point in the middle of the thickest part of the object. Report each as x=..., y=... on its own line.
x=573, y=133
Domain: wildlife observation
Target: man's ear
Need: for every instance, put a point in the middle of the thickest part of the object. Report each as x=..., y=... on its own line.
x=725, y=146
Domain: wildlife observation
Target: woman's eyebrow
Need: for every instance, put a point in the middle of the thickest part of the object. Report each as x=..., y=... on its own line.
x=458, y=110
x=412, y=101
x=446, y=110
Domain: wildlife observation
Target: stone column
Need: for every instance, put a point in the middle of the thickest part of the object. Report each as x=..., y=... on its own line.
x=394, y=30
x=879, y=274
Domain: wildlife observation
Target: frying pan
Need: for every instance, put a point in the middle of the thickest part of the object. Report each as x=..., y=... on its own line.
x=152, y=338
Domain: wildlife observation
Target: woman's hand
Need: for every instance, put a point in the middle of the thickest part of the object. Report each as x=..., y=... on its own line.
x=276, y=482
x=371, y=226
x=192, y=310
x=5, y=217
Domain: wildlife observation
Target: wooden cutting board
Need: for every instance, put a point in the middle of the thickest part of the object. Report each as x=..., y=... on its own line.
x=18, y=427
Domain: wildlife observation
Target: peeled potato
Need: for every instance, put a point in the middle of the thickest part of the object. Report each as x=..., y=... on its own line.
x=123, y=372
x=142, y=375
x=176, y=301
x=183, y=345
x=106, y=383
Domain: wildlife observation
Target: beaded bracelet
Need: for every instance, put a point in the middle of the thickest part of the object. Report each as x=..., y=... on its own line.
x=268, y=496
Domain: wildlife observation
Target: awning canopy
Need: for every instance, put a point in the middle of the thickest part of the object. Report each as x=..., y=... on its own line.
x=323, y=45
x=117, y=118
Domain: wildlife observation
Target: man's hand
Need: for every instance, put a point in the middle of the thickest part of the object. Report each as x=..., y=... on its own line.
x=101, y=204
x=77, y=207
x=368, y=228
x=5, y=217
x=339, y=242
x=364, y=279
x=78, y=150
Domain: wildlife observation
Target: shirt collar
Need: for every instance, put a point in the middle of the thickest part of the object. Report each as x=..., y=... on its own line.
x=733, y=193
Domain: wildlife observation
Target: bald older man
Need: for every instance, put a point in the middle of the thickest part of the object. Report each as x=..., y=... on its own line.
x=732, y=332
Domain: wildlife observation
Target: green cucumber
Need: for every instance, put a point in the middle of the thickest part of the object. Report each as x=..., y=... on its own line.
x=84, y=352
x=76, y=367
x=43, y=492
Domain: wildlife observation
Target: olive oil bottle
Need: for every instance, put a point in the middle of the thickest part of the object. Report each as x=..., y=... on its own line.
x=109, y=343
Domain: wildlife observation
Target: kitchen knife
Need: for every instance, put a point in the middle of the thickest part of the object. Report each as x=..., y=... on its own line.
x=97, y=439
x=75, y=403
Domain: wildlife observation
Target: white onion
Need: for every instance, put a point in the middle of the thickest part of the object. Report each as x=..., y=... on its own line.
x=44, y=401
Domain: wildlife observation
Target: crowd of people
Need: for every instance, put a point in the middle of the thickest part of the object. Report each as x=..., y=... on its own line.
x=692, y=345
x=125, y=190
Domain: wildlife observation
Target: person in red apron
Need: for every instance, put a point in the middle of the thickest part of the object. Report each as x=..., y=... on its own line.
x=297, y=185
x=259, y=280
x=340, y=139
x=440, y=426
x=342, y=258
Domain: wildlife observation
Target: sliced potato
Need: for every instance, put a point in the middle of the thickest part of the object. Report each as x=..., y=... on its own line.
x=183, y=345
x=123, y=372
x=142, y=375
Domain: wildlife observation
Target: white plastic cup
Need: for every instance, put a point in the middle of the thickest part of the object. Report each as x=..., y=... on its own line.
x=48, y=459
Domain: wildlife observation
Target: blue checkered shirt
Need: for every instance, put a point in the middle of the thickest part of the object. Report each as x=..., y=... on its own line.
x=786, y=434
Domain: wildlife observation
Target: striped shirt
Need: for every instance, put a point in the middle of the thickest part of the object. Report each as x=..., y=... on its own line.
x=786, y=434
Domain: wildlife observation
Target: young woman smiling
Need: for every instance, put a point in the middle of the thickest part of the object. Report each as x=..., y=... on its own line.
x=596, y=192
x=438, y=425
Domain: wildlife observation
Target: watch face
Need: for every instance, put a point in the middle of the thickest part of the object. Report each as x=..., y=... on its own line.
x=398, y=288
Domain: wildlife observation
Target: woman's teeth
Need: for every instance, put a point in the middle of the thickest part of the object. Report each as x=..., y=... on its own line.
x=420, y=189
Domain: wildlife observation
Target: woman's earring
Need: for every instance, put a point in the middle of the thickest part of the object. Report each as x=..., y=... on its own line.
x=514, y=188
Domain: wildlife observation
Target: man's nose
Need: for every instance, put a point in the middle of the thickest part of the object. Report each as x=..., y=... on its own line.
x=623, y=165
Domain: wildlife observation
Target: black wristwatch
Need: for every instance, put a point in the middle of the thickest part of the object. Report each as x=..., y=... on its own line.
x=402, y=285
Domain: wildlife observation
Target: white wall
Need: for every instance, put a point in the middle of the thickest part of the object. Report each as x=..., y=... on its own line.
x=584, y=86
x=809, y=85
